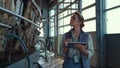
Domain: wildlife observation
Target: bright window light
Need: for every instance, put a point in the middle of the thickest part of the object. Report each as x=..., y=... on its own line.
x=67, y=20
x=51, y=31
x=60, y=30
x=112, y=3
x=90, y=26
x=89, y=13
x=60, y=22
x=67, y=28
x=87, y=2
x=41, y=31
x=113, y=21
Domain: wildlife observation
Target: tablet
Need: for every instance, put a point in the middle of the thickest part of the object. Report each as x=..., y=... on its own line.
x=71, y=44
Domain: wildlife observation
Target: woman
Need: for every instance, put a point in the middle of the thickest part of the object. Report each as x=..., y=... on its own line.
x=77, y=56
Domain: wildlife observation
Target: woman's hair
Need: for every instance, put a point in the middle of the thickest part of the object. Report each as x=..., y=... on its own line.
x=81, y=18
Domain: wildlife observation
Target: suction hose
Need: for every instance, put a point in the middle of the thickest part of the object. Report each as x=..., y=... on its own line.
x=26, y=51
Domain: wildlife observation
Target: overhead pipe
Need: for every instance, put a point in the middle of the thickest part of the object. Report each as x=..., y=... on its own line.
x=40, y=14
x=37, y=8
x=19, y=16
x=3, y=25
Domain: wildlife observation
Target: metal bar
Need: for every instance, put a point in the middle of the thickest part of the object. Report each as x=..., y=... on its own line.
x=19, y=16
x=68, y=9
x=87, y=7
x=112, y=8
x=68, y=6
x=75, y=2
x=3, y=25
x=100, y=32
x=93, y=18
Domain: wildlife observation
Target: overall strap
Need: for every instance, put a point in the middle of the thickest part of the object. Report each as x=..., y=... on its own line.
x=83, y=37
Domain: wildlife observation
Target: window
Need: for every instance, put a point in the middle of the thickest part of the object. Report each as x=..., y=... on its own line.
x=51, y=34
x=51, y=23
x=112, y=3
x=60, y=30
x=67, y=20
x=60, y=22
x=60, y=0
x=87, y=2
x=89, y=13
x=112, y=16
x=52, y=12
x=67, y=28
x=41, y=31
x=64, y=17
x=113, y=21
x=90, y=26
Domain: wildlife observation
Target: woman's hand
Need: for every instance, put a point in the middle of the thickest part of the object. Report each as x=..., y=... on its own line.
x=82, y=48
x=65, y=44
x=67, y=41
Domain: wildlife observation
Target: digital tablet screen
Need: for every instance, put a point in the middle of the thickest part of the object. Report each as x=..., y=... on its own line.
x=71, y=44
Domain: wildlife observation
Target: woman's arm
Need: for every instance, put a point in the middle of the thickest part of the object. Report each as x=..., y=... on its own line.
x=87, y=49
x=90, y=48
x=82, y=48
x=66, y=41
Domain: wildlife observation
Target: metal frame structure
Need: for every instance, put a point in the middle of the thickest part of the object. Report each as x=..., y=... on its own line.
x=15, y=36
x=100, y=32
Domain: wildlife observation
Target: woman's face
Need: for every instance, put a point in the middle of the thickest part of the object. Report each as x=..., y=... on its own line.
x=74, y=21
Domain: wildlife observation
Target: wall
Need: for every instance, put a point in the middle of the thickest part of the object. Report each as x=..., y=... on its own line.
x=113, y=51
x=94, y=57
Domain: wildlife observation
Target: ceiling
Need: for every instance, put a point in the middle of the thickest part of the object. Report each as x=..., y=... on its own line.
x=46, y=3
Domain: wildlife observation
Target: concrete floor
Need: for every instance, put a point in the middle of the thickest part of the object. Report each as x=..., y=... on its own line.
x=53, y=63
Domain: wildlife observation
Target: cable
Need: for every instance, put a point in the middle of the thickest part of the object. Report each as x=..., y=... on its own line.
x=26, y=51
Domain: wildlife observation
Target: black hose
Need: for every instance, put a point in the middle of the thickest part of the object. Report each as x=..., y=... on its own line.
x=26, y=51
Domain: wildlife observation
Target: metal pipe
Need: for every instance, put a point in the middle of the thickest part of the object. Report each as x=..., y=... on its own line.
x=19, y=16
x=37, y=8
x=3, y=25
